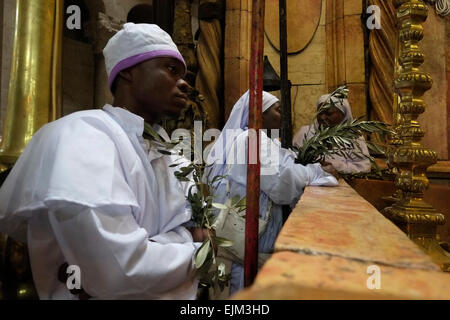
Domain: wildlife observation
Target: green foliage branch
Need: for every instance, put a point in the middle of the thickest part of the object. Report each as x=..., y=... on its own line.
x=341, y=139
x=211, y=273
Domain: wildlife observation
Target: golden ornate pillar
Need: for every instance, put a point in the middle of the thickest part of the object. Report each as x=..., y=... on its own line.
x=34, y=96
x=411, y=160
x=34, y=99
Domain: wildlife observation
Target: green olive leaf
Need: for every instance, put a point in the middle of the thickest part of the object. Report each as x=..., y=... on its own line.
x=222, y=242
x=202, y=253
x=219, y=206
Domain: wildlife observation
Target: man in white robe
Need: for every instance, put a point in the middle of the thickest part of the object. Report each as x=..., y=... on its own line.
x=89, y=190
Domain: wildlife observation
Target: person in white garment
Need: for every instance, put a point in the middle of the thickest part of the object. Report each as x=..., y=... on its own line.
x=341, y=112
x=89, y=191
x=282, y=180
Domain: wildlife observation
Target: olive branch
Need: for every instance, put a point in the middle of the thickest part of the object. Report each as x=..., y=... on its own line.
x=341, y=140
x=211, y=273
x=200, y=196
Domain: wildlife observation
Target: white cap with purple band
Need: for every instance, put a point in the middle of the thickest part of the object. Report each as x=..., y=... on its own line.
x=136, y=43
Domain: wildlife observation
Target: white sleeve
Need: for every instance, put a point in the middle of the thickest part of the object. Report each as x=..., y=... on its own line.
x=286, y=184
x=282, y=180
x=116, y=259
x=177, y=235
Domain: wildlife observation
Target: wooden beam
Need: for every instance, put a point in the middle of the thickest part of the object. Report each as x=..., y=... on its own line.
x=254, y=126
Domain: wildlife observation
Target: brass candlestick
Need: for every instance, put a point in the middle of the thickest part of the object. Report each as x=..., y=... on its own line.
x=411, y=160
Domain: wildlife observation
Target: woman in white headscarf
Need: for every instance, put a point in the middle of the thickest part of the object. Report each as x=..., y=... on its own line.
x=282, y=181
x=339, y=113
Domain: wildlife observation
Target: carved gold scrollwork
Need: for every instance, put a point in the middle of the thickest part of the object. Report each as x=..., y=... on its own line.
x=410, y=159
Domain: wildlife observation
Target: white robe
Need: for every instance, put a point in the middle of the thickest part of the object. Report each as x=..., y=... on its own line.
x=340, y=163
x=281, y=182
x=87, y=191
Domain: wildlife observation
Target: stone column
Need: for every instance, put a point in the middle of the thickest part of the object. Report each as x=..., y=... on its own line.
x=345, y=51
x=209, y=56
x=238, y=16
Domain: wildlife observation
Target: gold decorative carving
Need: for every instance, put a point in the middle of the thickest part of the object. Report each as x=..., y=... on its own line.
x=410, y=159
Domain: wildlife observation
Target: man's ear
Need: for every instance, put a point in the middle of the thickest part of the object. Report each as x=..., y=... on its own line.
x=126, y=75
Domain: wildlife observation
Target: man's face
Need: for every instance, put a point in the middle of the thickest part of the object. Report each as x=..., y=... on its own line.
x=159, y=88
x=271, y=118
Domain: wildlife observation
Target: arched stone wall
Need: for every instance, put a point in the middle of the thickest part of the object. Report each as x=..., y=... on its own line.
x=334, y=56
x=306, y=62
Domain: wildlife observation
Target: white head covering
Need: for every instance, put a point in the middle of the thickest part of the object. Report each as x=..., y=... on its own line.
x=136, y=43
x=238, y=120
x=341, y=104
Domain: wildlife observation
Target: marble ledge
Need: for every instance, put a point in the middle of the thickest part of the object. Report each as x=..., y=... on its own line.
x=337, y=222
x=292, y=276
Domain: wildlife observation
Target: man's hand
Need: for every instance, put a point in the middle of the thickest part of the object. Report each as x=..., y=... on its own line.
x=200, y=234
x=328, y=167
